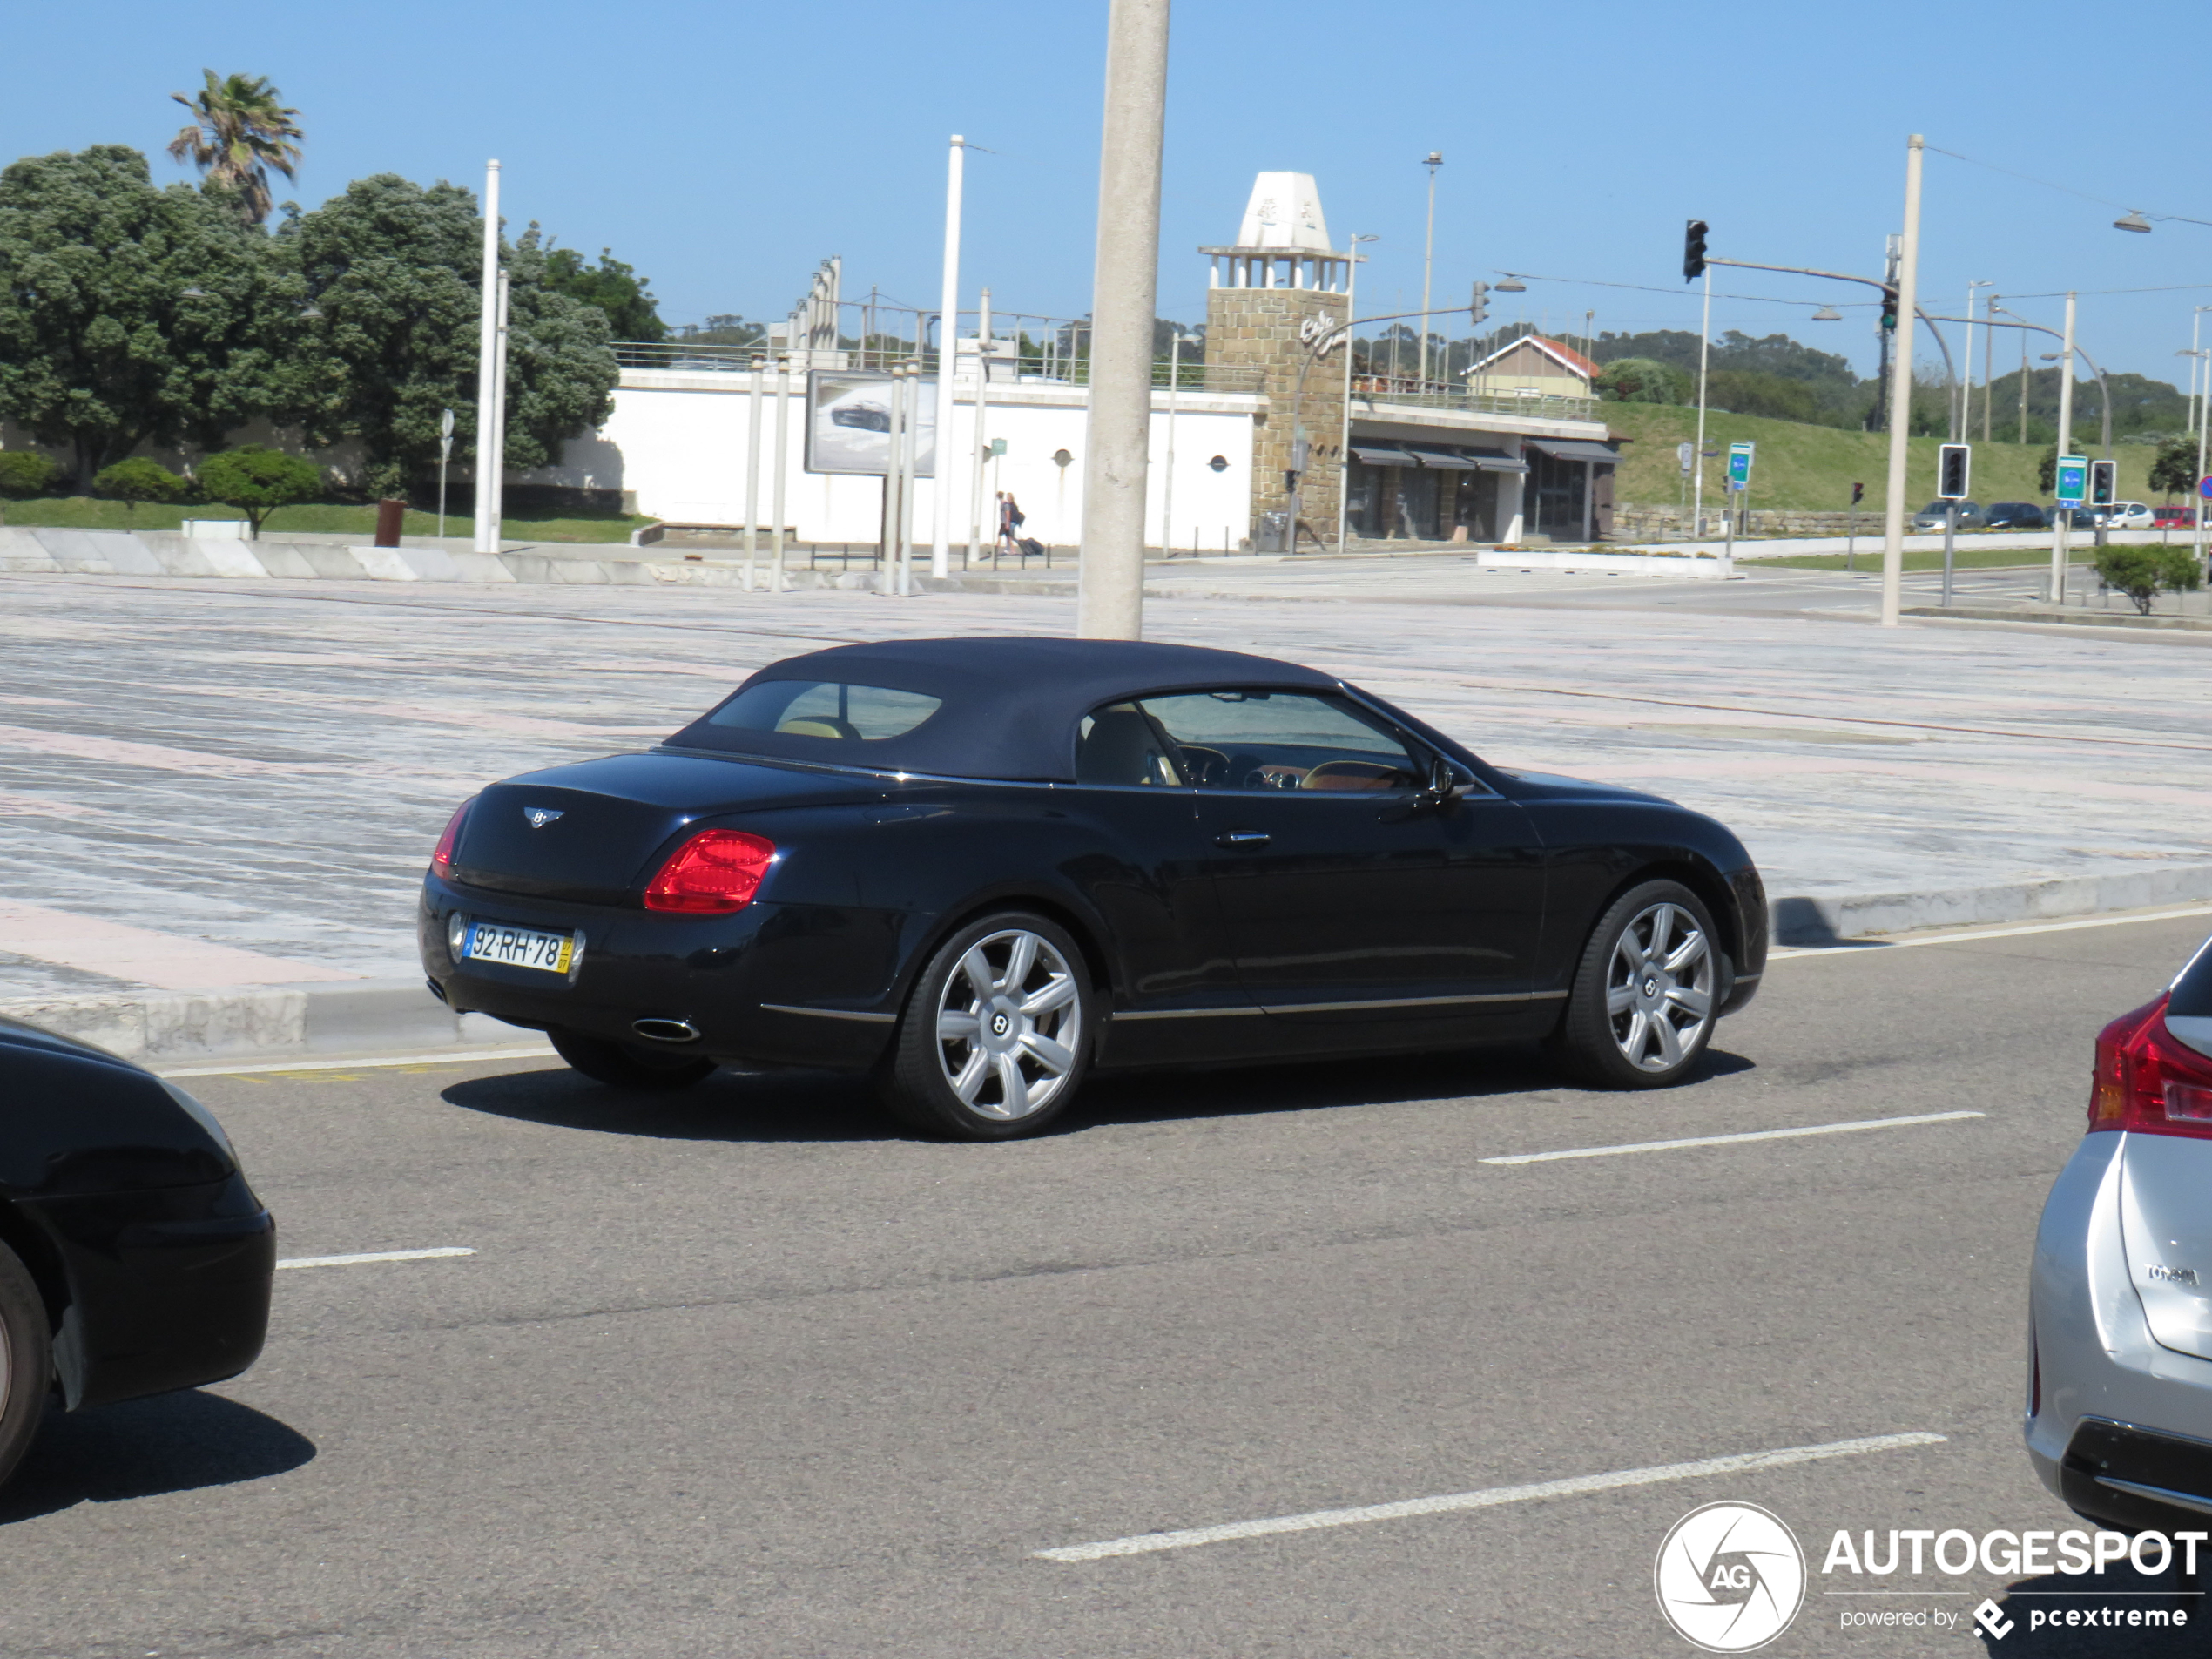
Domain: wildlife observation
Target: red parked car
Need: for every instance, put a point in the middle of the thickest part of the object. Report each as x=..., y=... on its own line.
x=2175, y=518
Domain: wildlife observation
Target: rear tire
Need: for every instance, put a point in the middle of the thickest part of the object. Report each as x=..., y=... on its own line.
x=627, y=1065
x=26, y=1361
x=1647, y=992
x=995, y=1038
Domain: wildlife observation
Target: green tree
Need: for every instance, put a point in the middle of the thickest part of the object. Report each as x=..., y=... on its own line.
x=238, y=130
x=136, y=478
x=25, y=473
x=394, y=272
x=131, y=316
x=2142, y=573
x=626, y=298
x=1644, y=379
x=257, y=480
x=2173, y=471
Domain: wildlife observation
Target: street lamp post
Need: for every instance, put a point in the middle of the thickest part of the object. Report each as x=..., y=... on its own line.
x=445, y=454
x=1965, y=427
x=1167, y=485
x=1428, y=260
x=947, y=351
x=486, y=352
x=1344, y=432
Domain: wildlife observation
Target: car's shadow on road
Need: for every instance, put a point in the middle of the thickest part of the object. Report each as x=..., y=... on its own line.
x=143, y=1447
x=797, y=1106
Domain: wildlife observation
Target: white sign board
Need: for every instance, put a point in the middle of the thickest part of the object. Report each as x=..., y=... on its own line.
x=848, y=421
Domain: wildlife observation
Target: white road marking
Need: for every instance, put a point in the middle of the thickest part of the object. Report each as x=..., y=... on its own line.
x=2011, y=930
x=373, y=1256
x=532, y=1051
x=1146, y=1543
x=1728, y=1140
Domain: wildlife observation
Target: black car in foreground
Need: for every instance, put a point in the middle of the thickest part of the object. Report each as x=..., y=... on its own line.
x=134, y=1258
x=980, y=867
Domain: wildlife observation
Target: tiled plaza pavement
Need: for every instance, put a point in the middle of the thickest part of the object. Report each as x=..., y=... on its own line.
x=235, y=768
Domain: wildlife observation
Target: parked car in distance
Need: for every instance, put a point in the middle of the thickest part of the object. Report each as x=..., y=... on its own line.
x=134, y=1258
x=1931, y=516
x=2016, y=515
x=2175, y=518
x=2120, y=1303
x=978, y=869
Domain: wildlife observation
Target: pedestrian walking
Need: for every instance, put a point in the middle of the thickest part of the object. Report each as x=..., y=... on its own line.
x=1010, y=522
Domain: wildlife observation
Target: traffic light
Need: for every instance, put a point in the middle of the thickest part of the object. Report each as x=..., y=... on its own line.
x=1889, y=309
x=1858, y=494
x=1693, y=251
x=2104, y=482
x=1479, y=307
x=1952, y=463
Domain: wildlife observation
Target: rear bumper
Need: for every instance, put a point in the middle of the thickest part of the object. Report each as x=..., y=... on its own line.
x=167, y=1289
x=806, y=984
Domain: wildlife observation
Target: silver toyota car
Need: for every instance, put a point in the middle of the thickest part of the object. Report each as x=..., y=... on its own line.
x=2119, y=1312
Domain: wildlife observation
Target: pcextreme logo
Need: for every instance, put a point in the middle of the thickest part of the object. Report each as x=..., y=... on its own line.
x=1729, y=1577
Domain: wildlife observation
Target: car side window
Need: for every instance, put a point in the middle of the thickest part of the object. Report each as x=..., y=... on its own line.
x=1119, y=745
x=1250, y=740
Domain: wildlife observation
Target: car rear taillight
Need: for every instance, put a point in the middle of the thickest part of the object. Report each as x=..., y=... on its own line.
x=442, y=860
x=715, y=872
x=2147, y=1083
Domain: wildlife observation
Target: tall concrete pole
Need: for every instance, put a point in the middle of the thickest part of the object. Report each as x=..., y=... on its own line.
x=486, y=363
x=981, y=445
x=1109, y=596
x=1428, y=264
x=2063, y=520
x=498, y=448
x=947, y=354
x=1908, y=270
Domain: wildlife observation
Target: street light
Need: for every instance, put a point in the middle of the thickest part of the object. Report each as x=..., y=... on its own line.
x=1167, y=487
x=1511, y=285
x=2132, y=222
x=1343, y=427
x=1827, y=313
x=1965, y=431
x=1428, y=260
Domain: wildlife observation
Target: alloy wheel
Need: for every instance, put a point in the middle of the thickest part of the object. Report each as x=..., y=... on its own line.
x=1659, y=986
x=1009, y=1025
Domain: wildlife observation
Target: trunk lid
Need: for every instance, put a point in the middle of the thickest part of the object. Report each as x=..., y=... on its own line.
x=2166, y=1224
x=587, y=832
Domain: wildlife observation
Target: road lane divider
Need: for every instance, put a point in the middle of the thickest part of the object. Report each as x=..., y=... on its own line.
x=1457, y=1502
x=1967, y=935
x=367, y=1256
x=452, y=1057
x=1730, y=1140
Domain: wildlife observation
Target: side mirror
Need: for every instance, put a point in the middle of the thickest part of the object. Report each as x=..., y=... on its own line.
x=1446, y=782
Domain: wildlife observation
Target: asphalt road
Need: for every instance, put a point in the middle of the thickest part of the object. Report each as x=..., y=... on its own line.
x=744, y=1374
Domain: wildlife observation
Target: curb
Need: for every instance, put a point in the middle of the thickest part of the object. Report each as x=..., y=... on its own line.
x=2048, y=616
x=400, y=1014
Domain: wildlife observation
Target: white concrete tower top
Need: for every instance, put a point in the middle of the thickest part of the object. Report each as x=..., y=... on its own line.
x=1285, y=212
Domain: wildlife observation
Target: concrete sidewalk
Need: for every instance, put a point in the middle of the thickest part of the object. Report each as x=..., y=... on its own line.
x=216, y=798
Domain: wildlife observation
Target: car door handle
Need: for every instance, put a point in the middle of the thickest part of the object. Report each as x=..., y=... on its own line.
x=1243, y=838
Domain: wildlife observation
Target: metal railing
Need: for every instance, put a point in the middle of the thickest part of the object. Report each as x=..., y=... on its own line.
x=689, y=357
x=1539, y=406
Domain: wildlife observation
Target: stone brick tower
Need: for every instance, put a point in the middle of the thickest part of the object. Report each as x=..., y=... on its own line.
x=1276, y=301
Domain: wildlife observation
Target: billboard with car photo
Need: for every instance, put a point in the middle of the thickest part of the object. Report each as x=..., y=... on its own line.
x=848, y=421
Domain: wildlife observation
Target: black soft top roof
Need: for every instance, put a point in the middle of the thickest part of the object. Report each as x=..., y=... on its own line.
x=1011, y=704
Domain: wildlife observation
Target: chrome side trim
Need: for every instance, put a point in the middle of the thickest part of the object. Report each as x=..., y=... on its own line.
x=831, y=1013
x=1186, y=1013
x=2163, y=1494
x=1332, y=1007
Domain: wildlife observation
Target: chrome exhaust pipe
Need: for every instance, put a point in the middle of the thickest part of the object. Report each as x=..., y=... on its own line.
x=666, y=1030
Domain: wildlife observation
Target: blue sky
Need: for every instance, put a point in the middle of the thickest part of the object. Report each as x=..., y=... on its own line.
x=725, y=149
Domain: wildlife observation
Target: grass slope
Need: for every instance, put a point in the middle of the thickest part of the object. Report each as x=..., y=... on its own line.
x=86, y=513
x=1813, y=468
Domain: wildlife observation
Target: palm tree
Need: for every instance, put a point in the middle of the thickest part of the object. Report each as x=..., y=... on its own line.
x=237, y=132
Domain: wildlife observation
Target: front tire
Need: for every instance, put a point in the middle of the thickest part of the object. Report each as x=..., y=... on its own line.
x=1646, y=990
x=625, y=1065
x=26, y=1361
x=995, y=1038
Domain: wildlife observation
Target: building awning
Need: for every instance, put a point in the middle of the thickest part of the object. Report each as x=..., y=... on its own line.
x=1574, y=450
x=1441, y=454
x=1494, y=460
x=1382, y=454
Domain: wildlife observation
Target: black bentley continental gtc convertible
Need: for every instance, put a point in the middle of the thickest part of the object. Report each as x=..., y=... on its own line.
x=978, y=868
